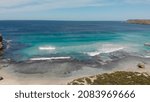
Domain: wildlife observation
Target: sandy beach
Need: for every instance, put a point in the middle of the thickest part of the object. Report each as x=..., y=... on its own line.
x=13, y=75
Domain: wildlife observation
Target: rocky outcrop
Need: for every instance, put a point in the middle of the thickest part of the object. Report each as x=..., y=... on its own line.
x=139, y=21
x=1, y=42
x=141, y=65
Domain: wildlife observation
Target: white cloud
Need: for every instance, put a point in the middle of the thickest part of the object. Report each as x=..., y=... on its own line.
x=40, y=5
x=60, y=3
x=10, y=3
x=137, y=1
x=32, y=5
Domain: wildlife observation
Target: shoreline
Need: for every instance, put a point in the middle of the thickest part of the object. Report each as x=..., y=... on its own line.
x=65, y=75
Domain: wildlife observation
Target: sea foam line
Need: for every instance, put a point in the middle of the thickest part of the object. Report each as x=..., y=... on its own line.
x=146, y=56
x=105, y=50
x=49, y=58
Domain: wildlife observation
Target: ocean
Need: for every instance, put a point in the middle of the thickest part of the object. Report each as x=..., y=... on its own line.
x=82, y=41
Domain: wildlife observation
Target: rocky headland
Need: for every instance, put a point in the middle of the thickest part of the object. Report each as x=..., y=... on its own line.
x=139, y=21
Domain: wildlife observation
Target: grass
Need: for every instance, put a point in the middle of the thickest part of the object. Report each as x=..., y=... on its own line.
x=116, y=78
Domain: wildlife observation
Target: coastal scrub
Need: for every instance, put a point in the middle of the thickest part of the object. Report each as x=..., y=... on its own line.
x=116, y=78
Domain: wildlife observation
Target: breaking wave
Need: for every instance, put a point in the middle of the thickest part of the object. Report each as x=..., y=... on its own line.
x=47, y=48
x=49, y=58
x=106, y=48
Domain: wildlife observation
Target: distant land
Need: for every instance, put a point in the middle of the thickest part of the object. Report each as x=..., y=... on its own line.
x=139, y=21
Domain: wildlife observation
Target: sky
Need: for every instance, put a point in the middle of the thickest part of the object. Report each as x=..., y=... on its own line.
x=88, y=10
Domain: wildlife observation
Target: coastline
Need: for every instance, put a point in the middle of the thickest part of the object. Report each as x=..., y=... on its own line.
x=81, y=51
x=12, y=77
x=139, y=21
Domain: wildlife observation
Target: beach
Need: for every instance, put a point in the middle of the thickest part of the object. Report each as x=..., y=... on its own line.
x=13, y=76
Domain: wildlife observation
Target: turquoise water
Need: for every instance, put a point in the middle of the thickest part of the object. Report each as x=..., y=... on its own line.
x=74, y=40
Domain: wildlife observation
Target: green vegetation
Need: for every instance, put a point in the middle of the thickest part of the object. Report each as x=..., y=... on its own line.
x=116, y=78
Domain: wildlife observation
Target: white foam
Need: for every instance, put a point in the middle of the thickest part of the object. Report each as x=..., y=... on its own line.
x=147, y=44
x=47, y=48
x=146, y=56
x=106, y=48
x=93, y=53
x=109, y=50
x=49, y=58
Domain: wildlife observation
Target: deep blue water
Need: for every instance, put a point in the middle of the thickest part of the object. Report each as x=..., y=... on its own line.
x=80, y=40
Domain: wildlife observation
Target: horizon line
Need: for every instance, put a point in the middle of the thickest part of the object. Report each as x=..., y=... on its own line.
x=58, y=20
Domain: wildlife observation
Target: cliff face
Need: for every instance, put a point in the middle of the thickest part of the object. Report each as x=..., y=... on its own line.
x=139, y=21
x=1, y=42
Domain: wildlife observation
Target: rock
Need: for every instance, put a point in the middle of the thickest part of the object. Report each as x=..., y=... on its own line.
x=139, y=21
x=1, y=39
x=1, y=42
x=1, y=46
x=1, y=78
x=141, y=65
